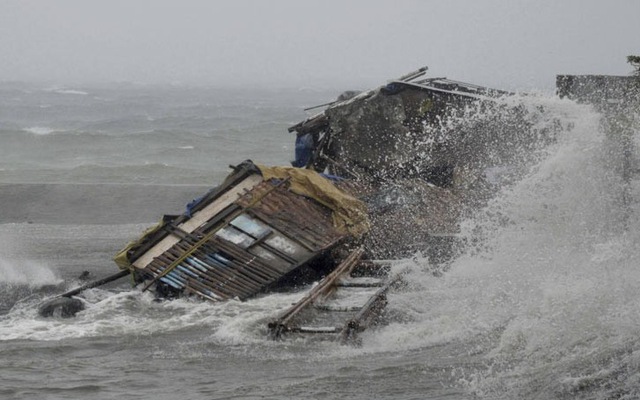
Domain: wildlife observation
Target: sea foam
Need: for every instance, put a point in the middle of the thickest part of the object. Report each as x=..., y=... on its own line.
x=40, y=130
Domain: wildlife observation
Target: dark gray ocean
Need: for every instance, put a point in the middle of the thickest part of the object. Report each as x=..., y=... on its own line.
x=545, y=308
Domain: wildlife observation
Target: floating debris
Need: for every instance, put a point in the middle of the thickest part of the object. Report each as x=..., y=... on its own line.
x=263, y=226
x=343, y=304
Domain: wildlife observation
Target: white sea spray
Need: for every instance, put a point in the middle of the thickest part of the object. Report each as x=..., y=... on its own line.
x=549, y=282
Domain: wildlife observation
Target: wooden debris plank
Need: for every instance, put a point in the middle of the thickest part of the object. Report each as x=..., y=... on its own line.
x=317, y=329
x=364, y=318
x=362, y=282
x=281, y=325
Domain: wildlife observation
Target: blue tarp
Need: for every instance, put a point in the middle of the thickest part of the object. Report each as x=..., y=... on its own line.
x=304, y=150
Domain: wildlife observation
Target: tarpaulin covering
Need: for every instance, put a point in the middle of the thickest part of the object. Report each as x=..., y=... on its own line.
x=349, y=213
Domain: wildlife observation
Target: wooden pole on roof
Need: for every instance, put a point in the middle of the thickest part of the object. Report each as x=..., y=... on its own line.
x=413, y=75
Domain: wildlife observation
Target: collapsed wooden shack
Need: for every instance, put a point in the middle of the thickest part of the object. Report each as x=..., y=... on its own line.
x=260, y=228
x=266, y=228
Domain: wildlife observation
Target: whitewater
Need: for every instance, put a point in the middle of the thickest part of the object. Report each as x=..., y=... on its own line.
x=540, y=304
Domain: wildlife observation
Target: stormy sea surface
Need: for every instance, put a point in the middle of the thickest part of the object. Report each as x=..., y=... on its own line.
x=542, y=304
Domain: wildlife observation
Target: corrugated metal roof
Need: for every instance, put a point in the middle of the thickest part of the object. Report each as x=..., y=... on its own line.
x=268, y=233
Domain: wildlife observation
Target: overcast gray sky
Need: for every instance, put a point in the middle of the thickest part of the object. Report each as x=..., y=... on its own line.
x=503, y=43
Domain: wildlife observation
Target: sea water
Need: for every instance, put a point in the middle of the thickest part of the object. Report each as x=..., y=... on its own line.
x=542, y=303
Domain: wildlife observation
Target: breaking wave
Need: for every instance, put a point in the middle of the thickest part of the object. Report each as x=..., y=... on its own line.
x=133, y=313
x=26, y=272
x=69, y=91
x=40, y=130
x=21, y=277
x=15, y=269
x=546, y=293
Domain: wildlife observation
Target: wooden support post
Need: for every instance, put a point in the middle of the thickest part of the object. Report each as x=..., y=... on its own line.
x=97, y=283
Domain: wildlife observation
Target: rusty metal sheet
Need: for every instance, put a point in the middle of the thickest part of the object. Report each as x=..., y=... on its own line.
x=272, y=233
x=299, y=218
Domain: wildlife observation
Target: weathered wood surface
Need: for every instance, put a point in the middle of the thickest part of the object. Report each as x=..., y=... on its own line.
x=320, y=311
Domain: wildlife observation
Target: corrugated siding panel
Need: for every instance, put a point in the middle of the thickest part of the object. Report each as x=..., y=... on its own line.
x=299, y=218
x=274, y=233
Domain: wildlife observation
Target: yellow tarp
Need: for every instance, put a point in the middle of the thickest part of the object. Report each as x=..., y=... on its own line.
x=122, y=259
x=349, y=213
